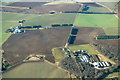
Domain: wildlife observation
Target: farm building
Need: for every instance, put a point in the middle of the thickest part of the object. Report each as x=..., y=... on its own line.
x=18, y=31
x=102, y=64
x=15, y=30
x=84, y=58
x=64, y=49
x=80, y=51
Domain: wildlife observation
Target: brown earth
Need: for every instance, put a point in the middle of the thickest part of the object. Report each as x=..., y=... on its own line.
x=19, y=46
x=34, y=42
x=27, y=4
x=39, y=8
x=10, y=9
x=19, y=6
x=44, y=9
x=87, y=35
x=112, y=43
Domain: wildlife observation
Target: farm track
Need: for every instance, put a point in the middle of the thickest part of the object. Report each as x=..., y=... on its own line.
x=109, y=10
x=61, y=69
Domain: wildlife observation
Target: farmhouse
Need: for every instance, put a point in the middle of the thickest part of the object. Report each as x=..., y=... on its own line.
x=15, y=30
x=18, y=31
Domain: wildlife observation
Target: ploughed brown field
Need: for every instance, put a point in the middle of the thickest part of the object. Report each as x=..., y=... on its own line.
x=27, y=4
x=10, y=9
x=87, y=35
x=44, y=9
x=39, y=8
x=113, y=43
x=19, y=46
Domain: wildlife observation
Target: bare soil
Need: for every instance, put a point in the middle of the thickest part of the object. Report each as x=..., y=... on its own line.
x=39, y=8
x=45, y=9
x=34, y=42
x=27, y=4
x=19, y=46
x=86, y=35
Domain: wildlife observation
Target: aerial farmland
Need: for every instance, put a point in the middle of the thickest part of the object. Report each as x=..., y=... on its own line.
x=59, y=39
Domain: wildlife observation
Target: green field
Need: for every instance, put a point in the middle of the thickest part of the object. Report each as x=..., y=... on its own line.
x=58, y=54
x=112, y=30
x=4, y=37
x=90, y=49
x=5, y=3
x=96, y=20
x=114, y=74
x=111, y=5
x=35, y=70
x=47, y=20
x=11, y=20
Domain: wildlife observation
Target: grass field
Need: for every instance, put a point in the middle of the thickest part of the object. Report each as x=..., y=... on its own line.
x=11, y=20
x=35, y=70
x=58, y=54
x=97, y=9
x=112, y=30
x=90, y=49
x=111, y=5
x=5, y=3
x=114, y=74
x=4, y=37
x=47, y=20
x=96, y=20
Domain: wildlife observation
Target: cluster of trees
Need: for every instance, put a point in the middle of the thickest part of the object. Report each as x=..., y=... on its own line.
x=71, y=39
x=23, y=27
x=74, y=31
x=29, y=27
x=61, y=25
x=5, y=65
x=85, y=8
x=85, y=70
x=69, y=64
x=81, y=70
x=109, y=51
x=108, y=37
